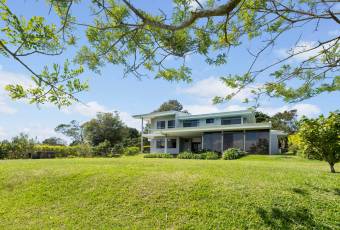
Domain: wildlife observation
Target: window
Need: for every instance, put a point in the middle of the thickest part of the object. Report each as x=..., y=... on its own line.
x=160, y=144
x=212, y=141
x=230, y=121
x=171, y=143
x=257, y=141
x=233, y=140
x=209, y=120
x=190, y=123
x=171, y=124
x=160, y=124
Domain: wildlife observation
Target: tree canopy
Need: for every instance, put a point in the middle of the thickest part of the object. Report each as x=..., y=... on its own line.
x=321, y=138
x=170, y=105
x=120, y=33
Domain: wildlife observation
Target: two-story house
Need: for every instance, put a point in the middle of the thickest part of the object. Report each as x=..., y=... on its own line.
x=173, y=132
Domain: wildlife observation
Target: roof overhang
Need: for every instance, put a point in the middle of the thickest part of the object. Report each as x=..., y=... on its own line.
x=157, y=114
x=246, y=113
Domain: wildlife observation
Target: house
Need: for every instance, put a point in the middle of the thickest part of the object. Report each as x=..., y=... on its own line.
x=173, y=132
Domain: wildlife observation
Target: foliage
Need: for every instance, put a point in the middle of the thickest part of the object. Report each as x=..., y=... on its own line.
x=285, y=121
x=233, y=153
x=5, y=147
x=102, y=149
x=72, y=130
x=54, y=141
x=211, y=156
x=208, y=155
x=130, y=151
x=118, y=33
x=171, y=105
x=58, y=151
x=106, y=126
x=118, y=149
x=20, y=147
x=274, y=192
x=294, y=143
x=320, y=138
x=158, y=155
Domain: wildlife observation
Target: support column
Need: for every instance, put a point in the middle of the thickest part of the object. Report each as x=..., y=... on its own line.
x=244, y=140
x=270, y=143
x=141, y=138
x=165, y=144
x=202, y=144
x=222, y=142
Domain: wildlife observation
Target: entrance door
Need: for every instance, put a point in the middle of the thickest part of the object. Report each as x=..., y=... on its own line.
x=195, y=147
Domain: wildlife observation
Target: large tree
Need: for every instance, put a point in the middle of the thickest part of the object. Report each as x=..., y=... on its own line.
x=105, y=127
x=321, y=138
x=72, y=130
x=122, y=33
x=285, y=121
x=170, y=105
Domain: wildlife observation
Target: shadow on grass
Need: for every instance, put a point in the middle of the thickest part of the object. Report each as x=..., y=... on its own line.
x=300, y=191
x=277, y=218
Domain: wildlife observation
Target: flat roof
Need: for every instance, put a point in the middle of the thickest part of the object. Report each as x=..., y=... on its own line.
x=157, y=114
x=212, y=115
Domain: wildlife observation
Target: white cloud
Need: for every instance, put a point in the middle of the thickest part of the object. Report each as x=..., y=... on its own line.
x=195, y=6
x=213, y=86
x=305, y=109
x=303, y=50
x=90, y=109
x=13, y=78
x=5, y=107
x=2, y=132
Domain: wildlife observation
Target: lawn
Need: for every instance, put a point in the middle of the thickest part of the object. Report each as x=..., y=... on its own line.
x=256, y=192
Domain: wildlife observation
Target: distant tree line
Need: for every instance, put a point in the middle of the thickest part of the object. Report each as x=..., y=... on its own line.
x=104, y=135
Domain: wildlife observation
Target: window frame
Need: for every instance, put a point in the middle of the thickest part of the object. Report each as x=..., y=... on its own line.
x=191, y=122
x=160, y=143
x=174, y=124
x=170, y=143
x=160, y=126
x=231, y=119
x=211, y=120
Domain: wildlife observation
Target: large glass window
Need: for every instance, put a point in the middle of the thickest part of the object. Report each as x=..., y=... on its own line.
x=230, y=120
x=212, y=141
x=210, y=120
x=233, y=140
x=172, y=143
x=160, y=124
x=190, y=123
x=171, y=124
x=160, y=143
x=257, y=142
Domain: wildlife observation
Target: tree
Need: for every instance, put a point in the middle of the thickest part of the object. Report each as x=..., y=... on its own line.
x=119, y=33
x=321, y=138
x=72, y=130
x=285, y=121
x=170, y=105
x=54, y=141
x=105, y=127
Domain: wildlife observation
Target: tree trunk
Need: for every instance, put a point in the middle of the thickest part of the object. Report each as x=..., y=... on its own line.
x=331, y=165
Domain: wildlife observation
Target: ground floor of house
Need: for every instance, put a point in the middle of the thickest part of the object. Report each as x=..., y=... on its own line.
x=252, y=141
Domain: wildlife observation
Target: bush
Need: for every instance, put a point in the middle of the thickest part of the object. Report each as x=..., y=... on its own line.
x=294, y=144
x=130, y=151
x=211, y=156
x=102, y=149
x=158, y=155
x=233, y=153
x=117, y=150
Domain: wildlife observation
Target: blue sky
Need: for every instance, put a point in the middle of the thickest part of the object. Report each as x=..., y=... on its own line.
x=109, y=91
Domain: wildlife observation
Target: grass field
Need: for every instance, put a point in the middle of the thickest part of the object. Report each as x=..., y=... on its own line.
x=256, y=192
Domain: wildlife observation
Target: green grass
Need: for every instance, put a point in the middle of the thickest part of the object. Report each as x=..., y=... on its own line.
x=255, y=192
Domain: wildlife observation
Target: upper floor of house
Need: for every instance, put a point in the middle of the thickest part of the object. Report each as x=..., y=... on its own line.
x=179, y=120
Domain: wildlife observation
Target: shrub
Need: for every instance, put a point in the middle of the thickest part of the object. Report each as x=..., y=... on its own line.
x=84, y=150
x=102, y=149
x=295, y=144
x=186, y=155
x=211, y=156
x=233, y=153
x=130, y=151
x=158, y=155
x=117, y=150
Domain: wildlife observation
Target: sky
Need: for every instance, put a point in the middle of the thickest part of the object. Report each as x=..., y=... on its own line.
x=110, y=91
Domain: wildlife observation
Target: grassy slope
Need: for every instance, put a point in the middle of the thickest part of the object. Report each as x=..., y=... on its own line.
x=133, y=192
